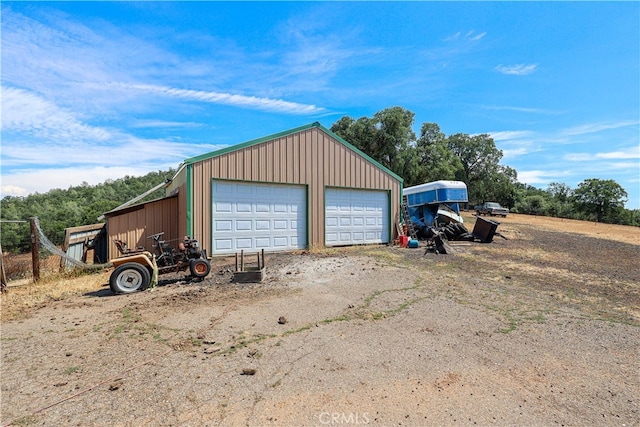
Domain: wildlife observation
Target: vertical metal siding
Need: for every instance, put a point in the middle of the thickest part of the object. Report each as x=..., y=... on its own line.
x=182, y=210
x=310, y=157
x=133, y=227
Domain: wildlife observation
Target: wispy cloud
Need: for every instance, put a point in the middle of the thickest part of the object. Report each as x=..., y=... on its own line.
x=510, y=134
x=30, y=114
x=516, y=143
x=165, y=124
x=29, y=181
x=39, y=133
x=510, y=153
x=106, y=58
x=469, y=35
x=517, y=70
x=254, y=102
x=517, y=109
x=629, y=153
x=597, y=127
x=472, y=36
x=533, y=177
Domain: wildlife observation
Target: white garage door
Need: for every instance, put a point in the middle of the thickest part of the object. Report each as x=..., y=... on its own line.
x=258, y=216
x=354, y=217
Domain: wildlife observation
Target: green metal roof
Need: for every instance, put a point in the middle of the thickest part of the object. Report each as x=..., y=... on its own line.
x=283, y=134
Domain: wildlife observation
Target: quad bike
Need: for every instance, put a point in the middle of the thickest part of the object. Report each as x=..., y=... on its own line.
x=135, y=268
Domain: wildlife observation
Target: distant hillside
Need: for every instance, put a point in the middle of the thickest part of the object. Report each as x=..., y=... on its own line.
x=81, y=205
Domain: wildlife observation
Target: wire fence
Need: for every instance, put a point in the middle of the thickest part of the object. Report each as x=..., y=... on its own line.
x=45, y=259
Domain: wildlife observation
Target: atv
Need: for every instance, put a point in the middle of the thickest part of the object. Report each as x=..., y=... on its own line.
x=136, y=269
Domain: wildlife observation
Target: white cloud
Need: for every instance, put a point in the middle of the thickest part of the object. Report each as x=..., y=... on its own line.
x=13, y=190
x=475, y=37
x=103, y=54
x=629, y=153
x=517, y=109
x=27, y=113
x=578, y=157
x=165, y=124
x=517, y=70
x=509, y=153
x=42, y=180
x=469, y=35
x=597, y=127
x=510, y=134
x=275, y=105
x=453, y=37
x=533, y=177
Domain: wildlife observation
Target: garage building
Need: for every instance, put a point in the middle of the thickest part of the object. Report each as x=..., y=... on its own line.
x=299, y=189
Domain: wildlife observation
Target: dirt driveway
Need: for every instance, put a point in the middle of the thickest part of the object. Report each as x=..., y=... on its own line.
x=539, y=329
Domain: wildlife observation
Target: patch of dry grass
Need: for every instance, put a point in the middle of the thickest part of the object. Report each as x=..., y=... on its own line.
x=620, y=233
x=20, y=301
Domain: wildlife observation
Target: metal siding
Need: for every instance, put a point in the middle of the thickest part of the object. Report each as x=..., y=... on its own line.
x=317, y=172
x=177, y=182
x=134, y=227
x=262, y=163
x=311, y=157
x=182, y=210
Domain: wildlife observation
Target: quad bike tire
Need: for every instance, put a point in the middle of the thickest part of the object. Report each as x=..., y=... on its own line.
x=129, y=277
x=199, y=268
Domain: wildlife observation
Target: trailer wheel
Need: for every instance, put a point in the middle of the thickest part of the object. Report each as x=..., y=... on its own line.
x=199, y=268
x=129, y=277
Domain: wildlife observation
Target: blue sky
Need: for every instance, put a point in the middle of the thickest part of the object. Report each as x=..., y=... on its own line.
x=93, y=91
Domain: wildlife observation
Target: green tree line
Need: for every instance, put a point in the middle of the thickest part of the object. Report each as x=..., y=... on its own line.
x=387, y=137
x=79, y=205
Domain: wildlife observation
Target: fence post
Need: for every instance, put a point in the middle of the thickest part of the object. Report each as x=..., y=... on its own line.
x=3, y=275
x=35, y=249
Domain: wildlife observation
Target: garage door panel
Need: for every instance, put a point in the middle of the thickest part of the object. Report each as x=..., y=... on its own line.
x=224, y=225
x=258, y=216
x=280, y=242
x=222, y=207
x=372, y=235
x=244, y=243
x=243, y=208
x=222, y=244
x=331, y=221
x=263, y=242
x=355, y=216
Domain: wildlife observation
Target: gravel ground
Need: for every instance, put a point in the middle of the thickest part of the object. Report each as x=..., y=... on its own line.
x=539, y=329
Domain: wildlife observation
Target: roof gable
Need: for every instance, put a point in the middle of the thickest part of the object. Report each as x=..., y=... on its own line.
x=286, y=133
